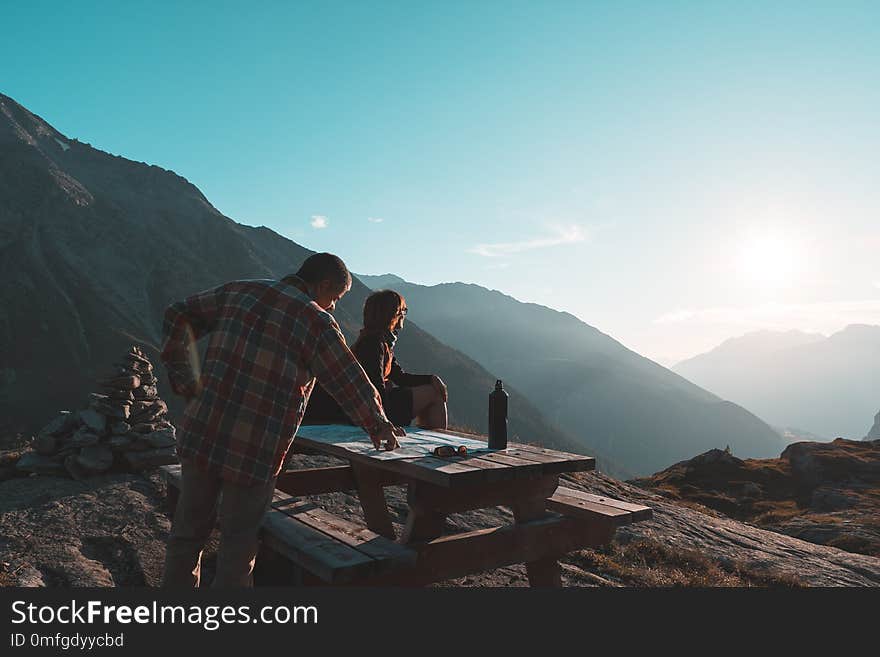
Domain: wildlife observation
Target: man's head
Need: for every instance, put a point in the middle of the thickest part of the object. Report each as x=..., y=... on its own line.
x=327, y=278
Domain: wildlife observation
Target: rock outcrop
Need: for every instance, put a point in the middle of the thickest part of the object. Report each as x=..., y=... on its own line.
x=729, y=540
x=874, y=432
x=827, y=493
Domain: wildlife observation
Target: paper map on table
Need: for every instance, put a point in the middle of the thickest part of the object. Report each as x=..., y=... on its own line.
x=416, y=443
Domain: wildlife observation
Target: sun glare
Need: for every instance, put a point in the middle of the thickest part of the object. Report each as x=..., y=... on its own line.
x=770, y=260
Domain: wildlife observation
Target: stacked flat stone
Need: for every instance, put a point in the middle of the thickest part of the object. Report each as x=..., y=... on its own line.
x=125, y=425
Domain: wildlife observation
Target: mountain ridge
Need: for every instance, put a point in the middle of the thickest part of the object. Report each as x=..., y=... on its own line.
x=635, y=410
x=95, y=246
x=824, y=386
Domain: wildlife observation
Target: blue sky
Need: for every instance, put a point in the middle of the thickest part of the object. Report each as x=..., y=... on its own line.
x=673, y=173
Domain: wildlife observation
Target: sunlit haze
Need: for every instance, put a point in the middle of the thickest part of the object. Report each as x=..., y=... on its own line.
x=673, y=174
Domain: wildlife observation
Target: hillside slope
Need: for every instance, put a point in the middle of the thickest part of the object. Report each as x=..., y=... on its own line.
x=93, y=248
x=826, y=493
x=637, y=412
x=827, y=386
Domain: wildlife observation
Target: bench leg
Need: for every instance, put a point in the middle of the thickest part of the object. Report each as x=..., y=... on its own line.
x=543, y=572
x=372, y=497
x=272, y=569
x=546, y=573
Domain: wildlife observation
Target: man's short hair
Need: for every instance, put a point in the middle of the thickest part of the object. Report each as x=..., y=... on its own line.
x=325, y=266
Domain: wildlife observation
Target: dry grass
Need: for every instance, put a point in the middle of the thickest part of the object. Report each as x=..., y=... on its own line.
x=648, y=563
x=769, y=513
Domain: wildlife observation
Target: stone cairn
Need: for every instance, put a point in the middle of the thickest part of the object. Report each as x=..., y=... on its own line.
x=125, y=425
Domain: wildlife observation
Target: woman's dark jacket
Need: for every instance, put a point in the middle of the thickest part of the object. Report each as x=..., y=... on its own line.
x=376, y=356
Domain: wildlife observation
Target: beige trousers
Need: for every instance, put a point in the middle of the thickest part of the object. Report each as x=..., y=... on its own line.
x=240, y=513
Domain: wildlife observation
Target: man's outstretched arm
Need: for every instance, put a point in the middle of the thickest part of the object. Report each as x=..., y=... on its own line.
x=185, y=322
x=343, y=377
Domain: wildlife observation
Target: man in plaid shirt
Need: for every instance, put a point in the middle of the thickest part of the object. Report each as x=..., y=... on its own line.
x=268, y=341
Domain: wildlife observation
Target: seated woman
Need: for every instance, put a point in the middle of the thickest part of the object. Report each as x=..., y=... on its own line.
x=405, y=397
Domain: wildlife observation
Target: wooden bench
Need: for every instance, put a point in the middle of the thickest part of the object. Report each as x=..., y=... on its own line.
x=596, y=508
x=333, y=549
x=577, y=520
x=325, y=548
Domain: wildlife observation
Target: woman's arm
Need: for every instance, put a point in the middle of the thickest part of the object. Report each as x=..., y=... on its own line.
x=402, y=378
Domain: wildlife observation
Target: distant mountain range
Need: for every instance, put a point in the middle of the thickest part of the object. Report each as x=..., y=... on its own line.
x=639, y=413
x=828, y=386
x=93, y=248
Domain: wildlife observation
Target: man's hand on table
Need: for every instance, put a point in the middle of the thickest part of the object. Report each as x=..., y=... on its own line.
x=388, y=434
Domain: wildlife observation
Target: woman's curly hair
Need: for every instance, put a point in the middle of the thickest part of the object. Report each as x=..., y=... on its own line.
x=381, y=308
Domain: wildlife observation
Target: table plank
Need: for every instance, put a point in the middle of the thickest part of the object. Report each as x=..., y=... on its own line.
x=494, y=471
x=562, y=456
x=521, y=468
x=361, y=538
x=478, y=467
x=552, y=464
x=444, y=472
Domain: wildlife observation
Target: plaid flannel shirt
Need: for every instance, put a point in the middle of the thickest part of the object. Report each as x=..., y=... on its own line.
x=268, y=341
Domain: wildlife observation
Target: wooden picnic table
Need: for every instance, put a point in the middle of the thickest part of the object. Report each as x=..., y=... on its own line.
x=308, y=543
x=524, y=478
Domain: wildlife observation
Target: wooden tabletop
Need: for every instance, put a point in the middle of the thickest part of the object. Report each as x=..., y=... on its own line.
x=481, y=466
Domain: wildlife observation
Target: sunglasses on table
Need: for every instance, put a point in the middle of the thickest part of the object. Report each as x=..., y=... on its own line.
x=449, y=450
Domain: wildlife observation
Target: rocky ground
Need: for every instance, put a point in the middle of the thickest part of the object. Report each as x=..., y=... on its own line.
x=109, y=530
x=105, y=531
x=825, y=493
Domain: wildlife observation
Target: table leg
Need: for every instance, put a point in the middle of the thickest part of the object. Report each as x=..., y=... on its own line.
x=372, y=496
x=423, y=522
x=543, y=572
x=172, y=495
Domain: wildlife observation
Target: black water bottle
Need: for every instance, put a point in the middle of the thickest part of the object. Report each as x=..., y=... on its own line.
x=498, y=417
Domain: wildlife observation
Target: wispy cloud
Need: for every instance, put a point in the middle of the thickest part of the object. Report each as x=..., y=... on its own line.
x=375, y=220
x=319, y=221
x=560, y=235
x=824, y=316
